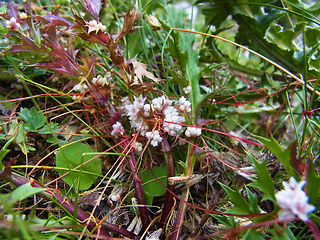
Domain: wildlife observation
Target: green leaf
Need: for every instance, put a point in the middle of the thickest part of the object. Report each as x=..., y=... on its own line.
x=227, y=221
x=313, y=183
x=264, y=181
x=253, y=202
x=151, y=186
x=253, y=234
x=277, y=234
x=19, y=194
x=74, y=155
x=32, y=118
x=4, y=151
x=284, y=156
x=241, y=206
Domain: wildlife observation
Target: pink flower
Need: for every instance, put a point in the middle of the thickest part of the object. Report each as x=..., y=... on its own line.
x=117, y=129
x=12, y=24
x=293, y=201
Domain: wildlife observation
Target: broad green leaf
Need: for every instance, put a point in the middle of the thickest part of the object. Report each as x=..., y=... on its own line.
x=74, y=155
x=241, y=206
x=254, y=234
x=282, y=235
x=284, y=156
x=151, y=186
x=313, y=183
x=264, y=181
x=19, y=194
x=32, y=118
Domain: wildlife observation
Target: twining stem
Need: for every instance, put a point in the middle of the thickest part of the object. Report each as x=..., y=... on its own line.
x=169, y=201
x=68, y=206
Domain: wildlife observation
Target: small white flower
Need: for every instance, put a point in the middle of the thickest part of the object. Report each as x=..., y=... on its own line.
x=77, y=98
x=293, y=201
x=184, y=105
x=187, y=89
x=23, y=15
x=95, y=26
x=193, y=132
x=139, y=102
x=147, y=108
x=99, y=80
x=117, y=129
x=160, y=103
x=137, y=147
x=12, y=24
x=80, y=87
x=155, y=138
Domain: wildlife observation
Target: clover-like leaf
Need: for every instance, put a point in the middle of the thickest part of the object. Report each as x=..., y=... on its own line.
x=74, y=156
x=32, y=118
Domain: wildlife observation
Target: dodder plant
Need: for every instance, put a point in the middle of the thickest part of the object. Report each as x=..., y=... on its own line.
x=154, y=130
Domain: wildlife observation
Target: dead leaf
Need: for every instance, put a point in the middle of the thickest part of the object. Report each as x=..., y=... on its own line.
x=129, y=20
x=116, y=55
x=140, y=70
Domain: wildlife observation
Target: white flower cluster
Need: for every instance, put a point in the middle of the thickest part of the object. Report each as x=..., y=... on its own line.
x=12, y=24
x=80, y=87
x=187, y=89
x=148, y=117
x=95, y=26
x=101, y=81
x=184, y=105
x=293, y=201
x=117, y=129
x=193, y=132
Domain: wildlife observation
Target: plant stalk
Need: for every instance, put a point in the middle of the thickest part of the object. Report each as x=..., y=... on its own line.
x=68, y=206
x=169, y=201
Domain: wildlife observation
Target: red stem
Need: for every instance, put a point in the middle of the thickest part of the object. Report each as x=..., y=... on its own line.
x=82, y=216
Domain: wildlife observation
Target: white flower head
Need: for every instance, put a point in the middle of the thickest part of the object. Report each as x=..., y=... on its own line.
x=117, y=129
x=193, y=132
x=155, y=137
x=12, y=24
x=139, y=102
x=80, y=87
x=137, y=147
x=23, y=16
x=184, y=105
x=161, y=103
x=99, y=80
x=293, y=201
x=95, y=26
x=187, y=89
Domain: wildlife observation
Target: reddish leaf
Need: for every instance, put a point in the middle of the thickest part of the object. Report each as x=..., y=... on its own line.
x=63, y=60
x=52, y=20
x=28, y=46
x=12, y=11
x=94, y=7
